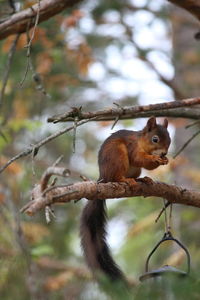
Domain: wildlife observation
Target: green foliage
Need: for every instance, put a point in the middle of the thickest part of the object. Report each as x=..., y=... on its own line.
x=18, y=124
x=42, y=250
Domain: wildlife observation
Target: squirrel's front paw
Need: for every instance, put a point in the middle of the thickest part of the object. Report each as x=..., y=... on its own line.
x=165, y=160
x=146, y=180
x=161, y=160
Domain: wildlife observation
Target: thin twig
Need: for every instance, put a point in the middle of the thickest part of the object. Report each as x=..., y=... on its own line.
x=26, y=71
x=8, y=67
x=52, y=171
x=34, y=27
x=192, y=124
x=117, y=117
x=115, y=122
x=39, y=144
x=74, y=134
x=58, y=160
x=32, y=162
x=170, y=217
x=166, y=219
x=29, y=66
x=187, y=143
x=162, y=210
x=27, y=55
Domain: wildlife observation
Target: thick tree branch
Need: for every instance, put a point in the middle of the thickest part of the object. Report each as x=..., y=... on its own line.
x=171, y=109
x=93, y=190
x=137, y=111
x=192, y=6
x=19, y=22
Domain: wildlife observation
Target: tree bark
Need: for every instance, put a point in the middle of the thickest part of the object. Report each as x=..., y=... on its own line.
x=192, y=6
x=20, y=21
x=93, y=190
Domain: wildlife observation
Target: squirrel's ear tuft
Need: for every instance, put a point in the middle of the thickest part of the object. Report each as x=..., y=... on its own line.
x=151, y=124
x=165, y=123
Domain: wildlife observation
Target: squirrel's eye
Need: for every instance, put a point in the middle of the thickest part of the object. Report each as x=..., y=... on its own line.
x=155, y=139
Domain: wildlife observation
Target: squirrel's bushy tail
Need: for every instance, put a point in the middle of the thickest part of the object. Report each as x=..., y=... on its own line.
x=93, y=239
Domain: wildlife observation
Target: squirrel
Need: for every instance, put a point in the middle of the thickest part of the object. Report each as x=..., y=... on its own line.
x=120, y=159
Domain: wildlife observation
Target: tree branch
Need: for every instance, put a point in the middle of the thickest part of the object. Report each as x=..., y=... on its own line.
x=137, y=111
x=93, y=190
x=171, y=109
x=192, y=6
x=33, y=149
x=19, y=21
x=186, y=143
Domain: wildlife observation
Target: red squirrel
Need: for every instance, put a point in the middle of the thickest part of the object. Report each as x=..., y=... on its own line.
x=121, y=157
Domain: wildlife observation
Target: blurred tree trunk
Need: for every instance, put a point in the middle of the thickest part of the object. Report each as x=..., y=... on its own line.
x=186, y=56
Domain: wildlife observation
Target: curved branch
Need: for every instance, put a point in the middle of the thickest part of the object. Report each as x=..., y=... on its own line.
x=93, y=190
x=171, y=108
x=19, y=21
x=168, y=109
x=192, y=6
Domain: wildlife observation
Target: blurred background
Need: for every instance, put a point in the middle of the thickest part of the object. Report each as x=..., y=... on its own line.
x=93, y=55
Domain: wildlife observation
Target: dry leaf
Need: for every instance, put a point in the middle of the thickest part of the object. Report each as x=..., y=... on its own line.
x=34, y=232
x=13, y=169
x=71, y=21
x=55, y=283
x=82, y=57
x=20, y=108
x=2, y=197
x=44, y=63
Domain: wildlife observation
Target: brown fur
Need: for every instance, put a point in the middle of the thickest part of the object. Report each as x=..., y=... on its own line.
x=127, y=150
x=121, y=158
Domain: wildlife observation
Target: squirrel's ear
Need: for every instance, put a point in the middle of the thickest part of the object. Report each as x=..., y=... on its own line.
x=165, y=123
x=151, y=124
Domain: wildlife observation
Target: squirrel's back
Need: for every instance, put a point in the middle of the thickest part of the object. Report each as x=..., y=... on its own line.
x=120, y=159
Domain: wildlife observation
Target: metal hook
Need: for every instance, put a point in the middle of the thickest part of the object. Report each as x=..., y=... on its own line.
x=168, y=237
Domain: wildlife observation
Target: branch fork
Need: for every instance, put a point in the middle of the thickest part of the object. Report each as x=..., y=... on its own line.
x=44, y=194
